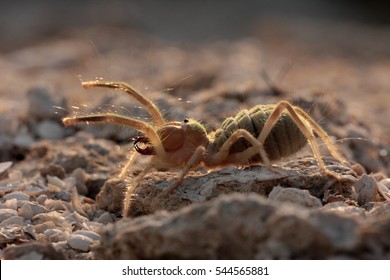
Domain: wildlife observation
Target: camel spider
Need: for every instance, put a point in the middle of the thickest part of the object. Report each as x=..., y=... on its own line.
x=263, y=134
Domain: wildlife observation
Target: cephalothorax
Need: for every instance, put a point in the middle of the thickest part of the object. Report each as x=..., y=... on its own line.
x=263, y=134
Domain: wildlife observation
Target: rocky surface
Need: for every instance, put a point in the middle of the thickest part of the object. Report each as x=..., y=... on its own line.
x=248, y=226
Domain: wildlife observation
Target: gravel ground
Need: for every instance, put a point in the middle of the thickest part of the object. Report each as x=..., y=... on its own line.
x=60, y=196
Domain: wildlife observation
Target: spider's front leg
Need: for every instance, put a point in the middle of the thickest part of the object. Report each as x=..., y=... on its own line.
x=130, y=189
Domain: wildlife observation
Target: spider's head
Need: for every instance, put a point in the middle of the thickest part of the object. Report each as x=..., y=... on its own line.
x=180, y=140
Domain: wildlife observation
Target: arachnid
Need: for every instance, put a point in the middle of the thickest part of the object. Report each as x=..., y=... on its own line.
x=263, y=134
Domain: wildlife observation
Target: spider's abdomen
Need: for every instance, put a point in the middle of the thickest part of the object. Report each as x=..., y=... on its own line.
x=284, y=139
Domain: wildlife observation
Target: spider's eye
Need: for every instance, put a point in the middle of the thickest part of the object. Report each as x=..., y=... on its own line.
x=186, y=120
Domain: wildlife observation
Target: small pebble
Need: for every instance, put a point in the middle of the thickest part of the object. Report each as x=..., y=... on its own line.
x=90, y=234
x=40, y=228
x=70, y=182
x=341, y=208
x=10, y=204
x=15, y=175
x=7, y=213
x=41, y=237
x=80, y=176
x=54, y=217
x=51, y=130
x=367, y=189
x=105, y=218
x=79, y=242
x=386, y=182
x=63, y=195
x=71, y=160
x=53, y=170
x=30, y=230
x=40, y=103
x=17, y=195
x=26, y=212
x=52, y=188
x=55, y=235
x=8, y=123
x=24, y=139
x=384, y=190
x=296, y=196
x=76, y=219
x=14, y=220
x=37, y=209
x=94, y=226
x=34, y=190
x=54, y=204
x=54, y=180
x=41, y=199
x=4, y=169
x=8, y=187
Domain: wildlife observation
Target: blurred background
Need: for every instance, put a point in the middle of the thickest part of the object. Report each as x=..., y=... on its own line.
x=26, y=22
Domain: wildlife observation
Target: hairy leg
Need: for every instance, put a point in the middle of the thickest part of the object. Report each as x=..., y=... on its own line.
x=129, y=162
x=130, y=189
x=149, y=105
x=322, y=134
x=141, y=126
x=306, y=124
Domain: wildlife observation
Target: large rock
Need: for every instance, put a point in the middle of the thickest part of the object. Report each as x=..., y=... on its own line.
x=248, y=226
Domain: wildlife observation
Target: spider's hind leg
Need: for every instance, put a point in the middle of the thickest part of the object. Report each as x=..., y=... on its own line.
x=306, y=125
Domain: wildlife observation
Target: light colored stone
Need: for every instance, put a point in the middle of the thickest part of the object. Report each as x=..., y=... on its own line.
x=41, y=199
x=80, y=176
x=10, y=204
x=4, y=166
x=384, y=188
x=367, y=189
x=105, y=218
x=18, y=195
x=296, y=196
x=14, y=220
x=37, y=209
x=90, y=234
x=54, y=180
x=42, y=227
x=34, y=190
x=79, y=242
x=48, y=129
x=24, y=139
x=26, y=211
x=55, y=235
x=53, y=204
x=7, y=213
x=8, y=187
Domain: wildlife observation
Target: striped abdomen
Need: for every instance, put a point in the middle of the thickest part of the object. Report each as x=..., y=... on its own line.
x=284, y=139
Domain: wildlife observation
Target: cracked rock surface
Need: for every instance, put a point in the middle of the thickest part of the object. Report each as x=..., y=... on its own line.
x=248, y=226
